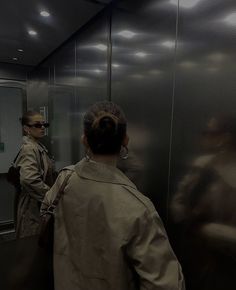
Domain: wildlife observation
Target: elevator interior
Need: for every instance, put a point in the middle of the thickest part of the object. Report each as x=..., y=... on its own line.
x=170, y=65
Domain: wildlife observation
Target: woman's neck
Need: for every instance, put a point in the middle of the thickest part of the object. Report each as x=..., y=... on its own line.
x=107, y=159
x=33, y=139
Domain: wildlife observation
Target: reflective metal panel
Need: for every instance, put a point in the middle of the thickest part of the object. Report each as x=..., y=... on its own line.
x=62, y=104
x=37, y=88
x=71, y=79
x=143, y=46
x=91, y=67
x=203, y=156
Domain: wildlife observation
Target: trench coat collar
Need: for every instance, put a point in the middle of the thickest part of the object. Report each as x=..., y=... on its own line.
x=102, y=172
x=40, y=146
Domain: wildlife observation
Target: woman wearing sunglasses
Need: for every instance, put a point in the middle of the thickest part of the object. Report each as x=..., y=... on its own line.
x=36, y=174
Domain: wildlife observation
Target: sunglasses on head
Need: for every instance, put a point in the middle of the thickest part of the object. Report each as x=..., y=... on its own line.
x=39, y=125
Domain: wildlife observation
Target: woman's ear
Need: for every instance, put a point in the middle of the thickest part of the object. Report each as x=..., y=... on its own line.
x=26, y=129
x=84, y=141
x=125, y=141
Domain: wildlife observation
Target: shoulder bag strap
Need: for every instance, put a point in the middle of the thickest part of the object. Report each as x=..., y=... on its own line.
x=17, y=156
x=60, y=191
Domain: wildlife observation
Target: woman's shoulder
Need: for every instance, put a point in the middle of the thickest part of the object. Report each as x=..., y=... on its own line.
x=27, y=143
x=137, y=199
x=67, y=170
x=29, y=149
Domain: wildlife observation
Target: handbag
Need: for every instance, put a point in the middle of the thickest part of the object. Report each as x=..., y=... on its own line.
x=13, y=174
x=46, y=224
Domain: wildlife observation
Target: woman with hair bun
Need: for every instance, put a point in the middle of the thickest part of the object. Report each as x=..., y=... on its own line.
x=36, y=174
x=107, y=235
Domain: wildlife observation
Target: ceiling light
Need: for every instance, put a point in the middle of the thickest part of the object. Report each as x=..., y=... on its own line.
x=141, y=54
x=115, y=65
x=44, y=13
x=217, y=57
x=101, y=47
x=32, y=32
x=155, y=72
x=20, y=50
x=185, y=3
x=126, y=34
x=137, y=76
x=15, y=58
x=168, y=43
x=98, y=71
x=231, y=19
x=188, y=64
x=212, y=69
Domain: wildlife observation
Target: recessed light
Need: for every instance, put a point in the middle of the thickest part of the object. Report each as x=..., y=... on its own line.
x=20, y=50
x=212, y=69
x=126, y=34
x=217, y=57
x=155, y=72
x=44, y=13
x=32, y=32
x=140, y=54
x=101, y=47
x=115, y=65
x=15, y=58
x=168, y=43
x=137, y=76
x=98, y=71
x=188, y=64
x=231, y=19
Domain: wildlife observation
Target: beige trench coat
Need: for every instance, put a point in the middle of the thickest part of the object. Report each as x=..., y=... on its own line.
x=108, y=236
x=35, y=172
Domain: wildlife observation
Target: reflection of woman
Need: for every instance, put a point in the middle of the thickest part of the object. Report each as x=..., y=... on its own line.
x=108, y=235
x=36, y=174
x=205, y=207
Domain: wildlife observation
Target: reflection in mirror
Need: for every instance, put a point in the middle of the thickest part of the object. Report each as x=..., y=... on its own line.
x=204, y=208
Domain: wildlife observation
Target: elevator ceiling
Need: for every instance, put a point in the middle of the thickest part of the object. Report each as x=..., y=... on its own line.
x=31, y=29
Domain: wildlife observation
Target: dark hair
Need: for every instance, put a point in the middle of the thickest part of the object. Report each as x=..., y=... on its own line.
x=105, y=128
x=27, y=116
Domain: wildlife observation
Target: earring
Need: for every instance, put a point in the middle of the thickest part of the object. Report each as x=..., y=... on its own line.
x=87, y=157
x=124, y=153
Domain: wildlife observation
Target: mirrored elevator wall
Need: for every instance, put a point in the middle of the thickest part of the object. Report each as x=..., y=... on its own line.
x=170, y=65
x=67, y=83
x=203, y=164
x=143, y=52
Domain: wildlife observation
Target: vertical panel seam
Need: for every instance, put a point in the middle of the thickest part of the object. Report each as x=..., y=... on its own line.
x=172, y=114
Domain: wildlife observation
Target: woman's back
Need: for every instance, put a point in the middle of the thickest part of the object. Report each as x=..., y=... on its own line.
x=104, y=227
x=108, y=236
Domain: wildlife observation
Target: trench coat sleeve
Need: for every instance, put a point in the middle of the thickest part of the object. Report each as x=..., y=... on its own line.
x=52, y=193
x=152, y=256
x=31, y=175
